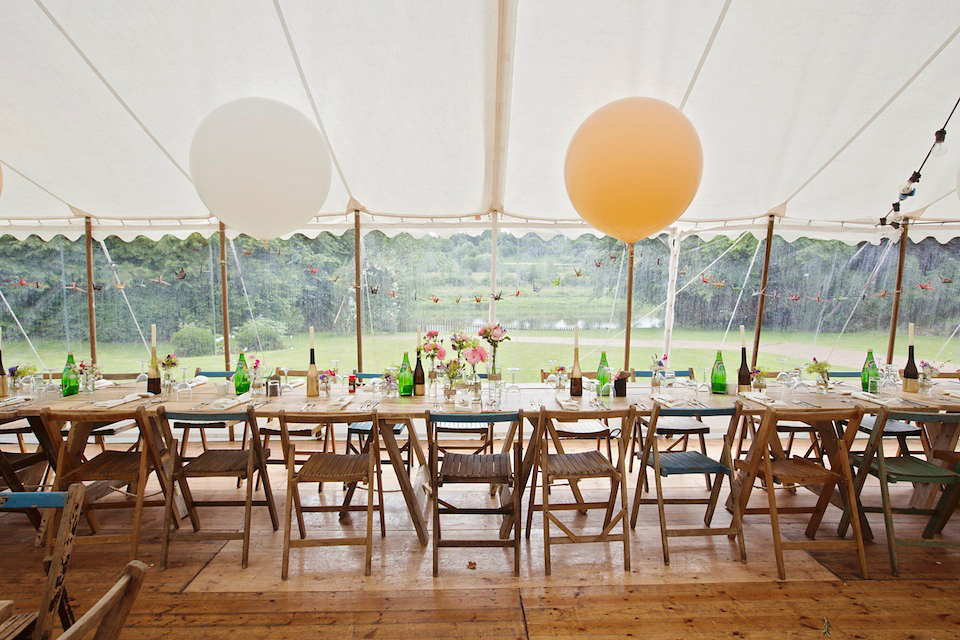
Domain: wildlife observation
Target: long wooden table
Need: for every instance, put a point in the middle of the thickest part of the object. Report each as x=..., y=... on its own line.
x=531, y=399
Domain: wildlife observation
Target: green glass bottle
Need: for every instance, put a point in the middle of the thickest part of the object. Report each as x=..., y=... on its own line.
x=603, y=378
x=241, y=378
x=869, y=371
x=718, y=377
x=405, y=377
x=70, y=380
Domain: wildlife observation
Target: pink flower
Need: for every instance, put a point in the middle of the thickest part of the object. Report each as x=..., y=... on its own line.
x=432, y=334
x=441, y=352
x=475, y=355
x=497, y=333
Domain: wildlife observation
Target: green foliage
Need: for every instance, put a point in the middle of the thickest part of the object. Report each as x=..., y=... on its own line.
x=193, y=341
x=271, y=334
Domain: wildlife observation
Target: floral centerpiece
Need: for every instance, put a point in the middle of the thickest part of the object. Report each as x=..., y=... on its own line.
x=493, y=334
x=822, y=369
x=433, y=350
x=759, y=378
x=389, y=378
x=89, y=374
x=657, y=366
x=19, y=373
x=452, y=371
x=928, y=371
x=168, y=364
x=474, y=356
x=325, y=377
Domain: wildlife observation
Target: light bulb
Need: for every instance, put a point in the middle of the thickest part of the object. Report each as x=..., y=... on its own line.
x=940, y=149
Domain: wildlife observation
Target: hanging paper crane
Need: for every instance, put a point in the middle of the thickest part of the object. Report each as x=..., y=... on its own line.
x=39, y=285
x=946, y=280
x=556, y=282
x=536, y=289
x=818, y=297
x=705, y=279
x=313, y=270
x=517, y=294
x=496, y=296
x=120, y=286
x=613, y=256
x=247, y=252
x=477, y=299
x=74, y=287
x=795, y=297
x=98, y=287
x=334, y=279
x=374, y=290
x=181, y=274
x=159, y=280
x=882, y=294
x=435, y=299
x=23, y=281
x=598, y=263
x=457, y=300
x=719, y=284
x=579, y=272
x=925, y=286
x=392, y=293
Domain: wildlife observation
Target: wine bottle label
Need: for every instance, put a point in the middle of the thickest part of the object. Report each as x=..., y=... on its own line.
x=911, y=385
x=418, y=389
x=576, y=387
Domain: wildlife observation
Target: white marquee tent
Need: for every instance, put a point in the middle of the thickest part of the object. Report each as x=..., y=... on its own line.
x=456, y=115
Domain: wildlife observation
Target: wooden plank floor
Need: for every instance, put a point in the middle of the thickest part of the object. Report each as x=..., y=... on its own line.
x=704, y=593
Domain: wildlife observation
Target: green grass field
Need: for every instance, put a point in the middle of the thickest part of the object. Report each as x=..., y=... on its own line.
x=527, y=351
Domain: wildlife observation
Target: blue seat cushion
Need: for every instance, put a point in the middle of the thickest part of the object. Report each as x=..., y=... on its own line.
x=891, y=428
x=365, y=427
x=685, y=462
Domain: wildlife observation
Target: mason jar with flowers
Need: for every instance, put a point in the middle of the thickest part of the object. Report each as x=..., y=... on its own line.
x=928, y=371
x=433, y=350
x=474, y=356
x=325, y=379
x=89, y=374
x=821, y=368
x=168, y=364
x=494, y=334
x=451, y=370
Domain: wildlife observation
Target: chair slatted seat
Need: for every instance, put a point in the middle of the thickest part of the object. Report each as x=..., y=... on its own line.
x=477, y=467
x=901, y=431
x=351, y=468
x=801, y=471
x=219, y=462
x=667, y=463
x=108, y=465
x=587, y=464
x=908, y=468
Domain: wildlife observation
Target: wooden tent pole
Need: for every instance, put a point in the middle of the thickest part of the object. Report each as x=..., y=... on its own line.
x=357, y=286
x=626, y=346
x=91, y=312
x=763, y=293
x=223, y=297
x=895, y=313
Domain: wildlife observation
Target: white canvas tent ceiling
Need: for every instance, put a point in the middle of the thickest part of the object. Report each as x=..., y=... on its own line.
x=439, y=112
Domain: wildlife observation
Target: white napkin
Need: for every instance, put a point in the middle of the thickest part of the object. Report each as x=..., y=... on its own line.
x=227, y=403
x=198, y=380
x=872, y=397
x=116, y=402
x=951, y=393
x=100, y=384
x=664, y=401
x=13, y=401
x=762, y=398
x=297, y=382
x=569, y=405
x=339, y=403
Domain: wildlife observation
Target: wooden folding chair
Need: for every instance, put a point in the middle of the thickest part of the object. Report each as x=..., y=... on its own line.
x=574, y=467
x=320, y=467
x=39, y=624
x=587, y=429
x=908, y=468
x=108, y=470
x=215, y=375
x=690, y=462
x=776, y=468
x=109, y=614
x=475, y=468
x=242, y=464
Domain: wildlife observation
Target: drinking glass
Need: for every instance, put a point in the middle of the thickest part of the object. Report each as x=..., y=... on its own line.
x=142, y=377
x=513, y=389
x=704, y=383
x=286, y=379
x=669, y=377
x=552, y=378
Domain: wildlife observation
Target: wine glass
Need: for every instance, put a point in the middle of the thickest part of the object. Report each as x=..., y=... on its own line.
x=142, y=377
x=286, y=379
x=552, y=378
x=704, y=383
x=513, y=388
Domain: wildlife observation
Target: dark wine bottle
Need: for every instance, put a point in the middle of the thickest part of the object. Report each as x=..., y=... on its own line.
x=153, y=373
x=743, y=373
x=4, y=381
x=419, y=379
x=576, y=376
x=911, y=377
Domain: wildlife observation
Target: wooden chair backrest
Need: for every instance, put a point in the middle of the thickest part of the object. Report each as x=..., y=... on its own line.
x=499, y=417
x=297, y=417
x=120, y=376
x=70, y=501
x=239, y=414
x=955, y=375
x=109, y=614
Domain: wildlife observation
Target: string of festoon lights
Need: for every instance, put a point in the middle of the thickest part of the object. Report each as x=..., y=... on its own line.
x=909, y=188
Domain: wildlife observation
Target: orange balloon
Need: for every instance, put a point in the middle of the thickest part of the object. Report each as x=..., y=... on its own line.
x=633, y=167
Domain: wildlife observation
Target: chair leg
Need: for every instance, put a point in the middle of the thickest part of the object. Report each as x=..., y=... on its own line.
x=531, y=502
x=167, y=517
x=624, y=502
x=379, y=479
x=138, y=508
x=737, y=517
x=789, y=448
x=852, y=503
x=714, y=498
x=633, y=441
x=291, y=493
x=371, y=478
x=546, y=514
x=247, y=511
x=183, y=443
x=887, y=513
x=436, y=507
x=703, y=450
x=660, y=510
x=203, y=438
x=517, y=466
x=231, y=433
x=774, y=519
x=21, y=443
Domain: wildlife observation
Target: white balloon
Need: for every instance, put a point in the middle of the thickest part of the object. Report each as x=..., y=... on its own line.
x=260, y=166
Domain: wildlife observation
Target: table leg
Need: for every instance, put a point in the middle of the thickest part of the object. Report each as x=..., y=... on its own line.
x=410, y=495
x=414, y=441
